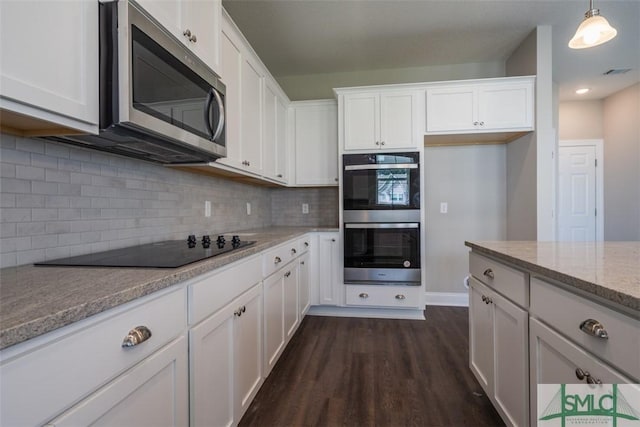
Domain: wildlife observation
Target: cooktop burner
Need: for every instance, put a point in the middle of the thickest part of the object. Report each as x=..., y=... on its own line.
x=167, y=254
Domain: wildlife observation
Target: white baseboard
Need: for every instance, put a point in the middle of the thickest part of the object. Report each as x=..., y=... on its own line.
x=379, y=313
x=453, y=299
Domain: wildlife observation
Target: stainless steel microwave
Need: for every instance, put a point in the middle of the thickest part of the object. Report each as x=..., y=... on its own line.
x=158, y=101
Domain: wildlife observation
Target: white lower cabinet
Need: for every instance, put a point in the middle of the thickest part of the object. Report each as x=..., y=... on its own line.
x=498, y=351
x=44, y=379
x=153, y=393
x=556, y=360
x=304, y=282
x=329, y=268
x=291, y=312
x=274, y=335
x=226, y=361
x=383, y=296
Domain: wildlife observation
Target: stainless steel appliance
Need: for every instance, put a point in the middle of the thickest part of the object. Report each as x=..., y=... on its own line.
x=158, y=101
x=381, y=187
x=167, y=254
x=382, y=253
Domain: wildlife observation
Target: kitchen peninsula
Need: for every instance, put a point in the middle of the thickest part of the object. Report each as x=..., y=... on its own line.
x=551, y=313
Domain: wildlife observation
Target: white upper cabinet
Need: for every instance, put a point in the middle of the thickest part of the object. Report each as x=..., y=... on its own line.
x=316, y=142
x=49, y=57
x=196, y=23
x=381, y=120
x=495, y=105
x=251, y=80
x=274, y=134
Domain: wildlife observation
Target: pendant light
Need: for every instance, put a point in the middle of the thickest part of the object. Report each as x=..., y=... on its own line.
x=593, y=31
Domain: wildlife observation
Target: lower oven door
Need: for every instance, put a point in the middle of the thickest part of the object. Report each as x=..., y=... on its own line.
x=382, y=253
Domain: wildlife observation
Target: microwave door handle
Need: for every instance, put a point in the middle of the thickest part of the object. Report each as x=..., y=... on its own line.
x=221, y=119
x=207, y=112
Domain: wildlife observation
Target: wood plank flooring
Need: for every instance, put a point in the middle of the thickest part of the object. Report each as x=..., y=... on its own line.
x=375, y=372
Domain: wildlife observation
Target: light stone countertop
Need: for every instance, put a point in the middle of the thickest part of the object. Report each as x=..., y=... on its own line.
x=608, y=270
x=37, y=300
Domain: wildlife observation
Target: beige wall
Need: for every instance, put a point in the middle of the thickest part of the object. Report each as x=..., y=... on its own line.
x=581, y=119
x=621, y=130
x=472, y=180
x=521, y=173
x=320, y=86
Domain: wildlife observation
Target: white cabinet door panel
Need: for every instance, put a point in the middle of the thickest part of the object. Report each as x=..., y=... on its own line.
x=49, y=56
x=274, y=333
x=231, y=63
x=251, y=120
x=451, y=109
x=480, y=335
x=361, y=121
x=291, y=313
x=398, y=119
x=504, y=106
x=153, y=393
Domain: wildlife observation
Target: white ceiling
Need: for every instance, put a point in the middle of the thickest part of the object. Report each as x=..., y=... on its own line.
x=300, y=37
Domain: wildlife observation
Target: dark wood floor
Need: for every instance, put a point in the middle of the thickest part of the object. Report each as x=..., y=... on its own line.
x=375, y=372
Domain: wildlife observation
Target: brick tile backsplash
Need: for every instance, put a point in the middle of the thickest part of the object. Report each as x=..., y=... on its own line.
x=57, y=200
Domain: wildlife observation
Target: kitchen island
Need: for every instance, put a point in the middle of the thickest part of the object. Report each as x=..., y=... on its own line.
x=551, y=313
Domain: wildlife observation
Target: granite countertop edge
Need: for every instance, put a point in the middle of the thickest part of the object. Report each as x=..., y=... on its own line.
x=17, y=333
x=612, y=295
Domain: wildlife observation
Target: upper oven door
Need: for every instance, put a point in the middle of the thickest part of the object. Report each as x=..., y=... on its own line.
x=381, y=182
x=164, y=88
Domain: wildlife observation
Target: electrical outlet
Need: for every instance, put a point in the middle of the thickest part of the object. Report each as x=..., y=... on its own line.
x=248, y=208
x=444, y=207
x=305, y=208
x=207, y=208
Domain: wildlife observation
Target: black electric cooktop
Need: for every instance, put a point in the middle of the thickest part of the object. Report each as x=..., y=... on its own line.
x=167, y=254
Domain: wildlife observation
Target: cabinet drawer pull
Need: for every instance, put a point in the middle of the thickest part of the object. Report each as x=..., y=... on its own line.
x=489, y=273
x=301, y=262
x=400, y=297
x=293, y=251
x=364, y=295
x=287, y=274
x=277, y=260
x=594, y=328
x=306, y=244
x=136, y=336
x=580, y=374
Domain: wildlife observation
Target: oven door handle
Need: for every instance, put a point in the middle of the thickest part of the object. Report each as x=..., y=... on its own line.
x=381, y=166
x=383, y=225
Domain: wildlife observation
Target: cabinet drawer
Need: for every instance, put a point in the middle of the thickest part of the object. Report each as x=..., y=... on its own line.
x=565, y=311
x=42, y=383
x=213, y=292
x=383, y=296
x=275, y=258
x=512, y=283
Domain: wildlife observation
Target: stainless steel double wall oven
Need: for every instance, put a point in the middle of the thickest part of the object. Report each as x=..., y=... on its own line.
x=381, y=213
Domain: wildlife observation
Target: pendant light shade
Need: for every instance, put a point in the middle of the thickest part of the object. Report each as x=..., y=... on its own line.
x=593, y=31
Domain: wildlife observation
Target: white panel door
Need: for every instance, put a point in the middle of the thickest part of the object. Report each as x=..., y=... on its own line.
x=231, y=63
x=251, y=119
x=361, y=121
x=269, y=131
x=316, y=143
x=451, y=109
x=153, y=393
x=577, y=193
x=398, y=111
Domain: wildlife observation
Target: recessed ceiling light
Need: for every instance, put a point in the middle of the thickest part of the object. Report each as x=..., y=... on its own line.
x=582, y=91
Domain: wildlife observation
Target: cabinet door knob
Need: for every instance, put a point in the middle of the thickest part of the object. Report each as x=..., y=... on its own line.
x=193, y=39
x=279, y=175
x=481, y=123
x=301, y=262
x=333, y=240
x=400, y=297
x=489, y=273
x=293, y=251
x=484, y=298
x=306, y=244
x=364, y=295
x=381, y=142
x=187, y=33
x=335, y=179
x=277, y=260
x=377, y=143
x=594, y=328
x=136, y=336
x=475, y=123
x=580, y=374
x=287, y=274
